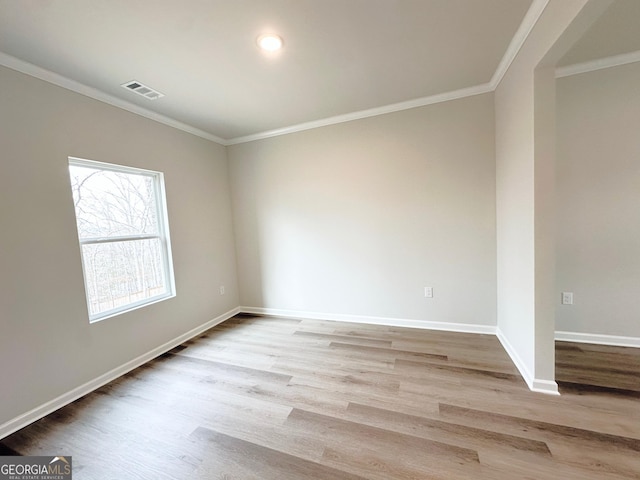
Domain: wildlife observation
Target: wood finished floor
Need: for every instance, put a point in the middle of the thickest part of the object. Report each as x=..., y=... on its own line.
x=270, y=398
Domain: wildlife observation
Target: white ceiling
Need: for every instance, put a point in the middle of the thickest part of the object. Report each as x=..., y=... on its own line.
x=340, y=56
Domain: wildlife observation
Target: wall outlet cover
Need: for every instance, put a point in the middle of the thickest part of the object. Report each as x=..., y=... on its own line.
x=567, y=298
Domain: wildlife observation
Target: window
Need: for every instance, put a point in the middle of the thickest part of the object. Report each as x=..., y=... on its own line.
x=124, y=236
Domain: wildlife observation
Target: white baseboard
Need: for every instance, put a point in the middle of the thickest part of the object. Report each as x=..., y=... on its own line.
x=612, y=340
x=535, y=384
x=37, y=413
x=550, y=387
x=388, y=321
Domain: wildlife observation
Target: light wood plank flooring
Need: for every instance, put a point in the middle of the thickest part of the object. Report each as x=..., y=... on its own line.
x=271, y=398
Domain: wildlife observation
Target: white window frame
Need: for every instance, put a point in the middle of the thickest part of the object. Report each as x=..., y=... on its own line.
x=163, y=236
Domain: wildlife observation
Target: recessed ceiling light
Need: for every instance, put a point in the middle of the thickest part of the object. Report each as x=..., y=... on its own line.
x=269, y=42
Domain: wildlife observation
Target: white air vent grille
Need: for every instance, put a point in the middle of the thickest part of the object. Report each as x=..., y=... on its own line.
x=140, y=89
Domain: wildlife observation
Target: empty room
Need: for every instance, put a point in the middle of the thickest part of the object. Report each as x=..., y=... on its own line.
x=319, y=239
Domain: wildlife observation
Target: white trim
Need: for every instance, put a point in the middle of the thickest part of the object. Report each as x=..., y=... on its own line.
x=598, y=64
x=37, y=413
x=64, y=82
x=528, y=22
x=515, y=358
x=535, y=384
x=162, y=236
x=388, y=321
x=372, y=112
x=549, y=387
x=128, y=238
x=599, y=339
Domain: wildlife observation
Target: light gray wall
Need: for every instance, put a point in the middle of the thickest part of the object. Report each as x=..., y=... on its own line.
x=358, y=218
x=47, y=346
x=598, y=221
x=522, y=238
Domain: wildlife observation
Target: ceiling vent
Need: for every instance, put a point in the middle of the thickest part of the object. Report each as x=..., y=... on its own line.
x=143, y=90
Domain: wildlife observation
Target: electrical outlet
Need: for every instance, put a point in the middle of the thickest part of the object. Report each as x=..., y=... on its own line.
x=221, y=289
x=428, y=292
x=567, y=298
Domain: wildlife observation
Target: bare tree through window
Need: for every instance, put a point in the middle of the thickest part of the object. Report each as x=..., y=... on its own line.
x=122, y=235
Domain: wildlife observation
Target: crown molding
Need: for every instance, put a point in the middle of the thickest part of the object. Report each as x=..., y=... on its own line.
x=372, y=112
x=528, y=22
x=598, y=64
x=64, y=82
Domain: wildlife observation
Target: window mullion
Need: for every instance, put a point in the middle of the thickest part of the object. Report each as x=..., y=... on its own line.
x=124, y=238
